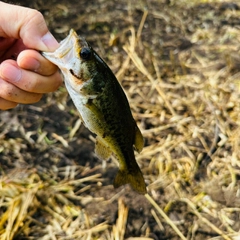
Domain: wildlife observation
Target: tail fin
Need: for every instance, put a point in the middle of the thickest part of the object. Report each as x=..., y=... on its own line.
x=135, y=179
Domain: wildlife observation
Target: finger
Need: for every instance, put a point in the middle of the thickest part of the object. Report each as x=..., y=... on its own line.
x=14, y=94
x=26, y=24
x=5, y=104
x=27, y=80
x=34, y=61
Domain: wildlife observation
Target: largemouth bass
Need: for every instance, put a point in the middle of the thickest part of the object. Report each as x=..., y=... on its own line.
x=103, y=107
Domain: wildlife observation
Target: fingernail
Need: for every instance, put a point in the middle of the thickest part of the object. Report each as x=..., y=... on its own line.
x=34, y=64
x=50, y=42
x=10, y=73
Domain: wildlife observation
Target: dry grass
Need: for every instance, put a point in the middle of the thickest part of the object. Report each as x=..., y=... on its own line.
x=180, y=67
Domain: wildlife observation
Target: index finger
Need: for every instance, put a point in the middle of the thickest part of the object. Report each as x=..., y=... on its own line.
x=34, y=61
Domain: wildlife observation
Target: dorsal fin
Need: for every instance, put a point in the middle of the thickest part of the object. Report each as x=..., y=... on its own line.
x=138, y=140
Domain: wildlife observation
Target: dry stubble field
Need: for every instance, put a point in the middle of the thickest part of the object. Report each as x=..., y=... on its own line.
x=179, y=63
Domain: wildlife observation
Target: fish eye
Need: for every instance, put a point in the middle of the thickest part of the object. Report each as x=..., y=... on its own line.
x=85, y=53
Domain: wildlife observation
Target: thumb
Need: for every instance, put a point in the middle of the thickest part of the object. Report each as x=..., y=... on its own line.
x=26, y=24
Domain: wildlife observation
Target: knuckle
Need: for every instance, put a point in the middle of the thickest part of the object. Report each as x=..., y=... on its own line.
x=33, y=20
x=6, y=90
x=35, y=16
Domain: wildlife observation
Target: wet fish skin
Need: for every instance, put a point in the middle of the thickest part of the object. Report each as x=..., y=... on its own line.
x=103, y=107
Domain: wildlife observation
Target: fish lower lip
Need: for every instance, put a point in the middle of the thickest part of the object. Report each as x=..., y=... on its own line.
x=65, y=53
x=60, y=61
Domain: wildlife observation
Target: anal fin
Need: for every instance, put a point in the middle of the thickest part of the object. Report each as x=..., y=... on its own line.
x=102, y=150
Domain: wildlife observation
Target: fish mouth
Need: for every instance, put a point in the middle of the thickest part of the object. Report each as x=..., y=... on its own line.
x=65, y=56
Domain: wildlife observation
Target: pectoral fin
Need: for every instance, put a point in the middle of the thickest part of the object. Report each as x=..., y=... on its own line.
x=93, y=108
x=102, y=150
x=138, y=141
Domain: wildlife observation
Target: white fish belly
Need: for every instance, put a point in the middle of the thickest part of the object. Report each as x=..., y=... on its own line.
x=90, y=120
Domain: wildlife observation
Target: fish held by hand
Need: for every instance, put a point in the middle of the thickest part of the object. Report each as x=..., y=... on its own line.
x=103, y=107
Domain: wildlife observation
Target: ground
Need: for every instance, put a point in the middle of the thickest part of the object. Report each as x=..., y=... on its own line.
x=178, y=62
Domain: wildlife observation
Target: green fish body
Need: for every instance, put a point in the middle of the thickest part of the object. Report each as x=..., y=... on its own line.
x=103, y=107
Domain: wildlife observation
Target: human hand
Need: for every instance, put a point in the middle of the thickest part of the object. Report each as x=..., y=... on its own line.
x=24, y=73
